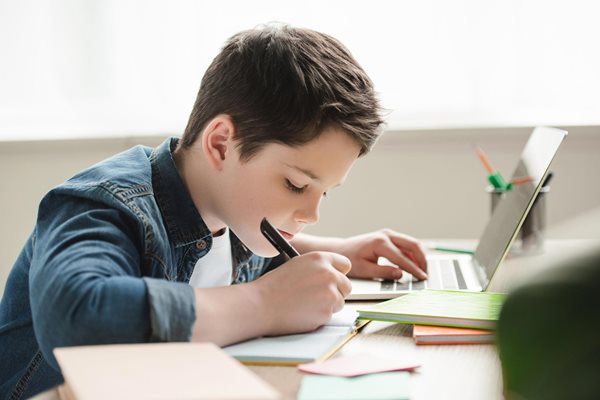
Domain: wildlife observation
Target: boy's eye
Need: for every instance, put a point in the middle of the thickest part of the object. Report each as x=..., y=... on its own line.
x=293, y=187
x=297, y=189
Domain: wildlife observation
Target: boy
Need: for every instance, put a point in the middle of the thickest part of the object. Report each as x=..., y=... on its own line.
x=144, y=246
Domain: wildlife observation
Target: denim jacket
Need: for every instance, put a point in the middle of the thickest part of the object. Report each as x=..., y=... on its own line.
x=108, y=262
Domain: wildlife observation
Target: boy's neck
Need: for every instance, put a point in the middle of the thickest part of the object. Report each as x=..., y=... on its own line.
x=197, y=177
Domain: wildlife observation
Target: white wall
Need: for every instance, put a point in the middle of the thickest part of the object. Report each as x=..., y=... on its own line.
x=425, y=183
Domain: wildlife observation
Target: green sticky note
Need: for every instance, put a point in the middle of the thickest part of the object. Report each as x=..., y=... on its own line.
x=384, y=386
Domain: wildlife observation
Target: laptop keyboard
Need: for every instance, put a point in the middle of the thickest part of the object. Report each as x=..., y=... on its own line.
x=443, y=274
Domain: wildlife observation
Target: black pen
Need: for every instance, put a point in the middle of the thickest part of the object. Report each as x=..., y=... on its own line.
x=278, y=241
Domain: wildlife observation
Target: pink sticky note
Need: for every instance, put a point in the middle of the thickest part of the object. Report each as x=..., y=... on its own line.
x=358, y=364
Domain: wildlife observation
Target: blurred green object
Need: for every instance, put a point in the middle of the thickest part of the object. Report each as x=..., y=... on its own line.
x=549, y=334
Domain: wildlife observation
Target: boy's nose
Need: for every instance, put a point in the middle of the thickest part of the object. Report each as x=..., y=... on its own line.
x=309, y=213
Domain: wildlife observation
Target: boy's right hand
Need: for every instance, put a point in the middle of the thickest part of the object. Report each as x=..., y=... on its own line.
x=302, y=293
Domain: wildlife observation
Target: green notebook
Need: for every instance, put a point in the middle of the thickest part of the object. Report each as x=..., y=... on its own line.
x=478, y=310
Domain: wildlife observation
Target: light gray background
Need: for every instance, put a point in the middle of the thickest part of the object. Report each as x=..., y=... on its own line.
x=426, y=183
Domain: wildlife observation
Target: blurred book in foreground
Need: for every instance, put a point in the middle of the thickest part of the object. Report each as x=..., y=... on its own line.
x=156, y=371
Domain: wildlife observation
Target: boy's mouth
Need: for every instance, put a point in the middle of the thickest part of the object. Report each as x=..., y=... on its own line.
x=286, y=235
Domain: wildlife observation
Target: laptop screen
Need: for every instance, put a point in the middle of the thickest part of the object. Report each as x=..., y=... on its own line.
x=510, y=212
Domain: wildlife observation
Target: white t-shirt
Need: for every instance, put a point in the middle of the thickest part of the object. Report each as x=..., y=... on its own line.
x=215, y=268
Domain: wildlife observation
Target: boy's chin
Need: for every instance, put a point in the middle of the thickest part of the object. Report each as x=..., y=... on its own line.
x=261, y=249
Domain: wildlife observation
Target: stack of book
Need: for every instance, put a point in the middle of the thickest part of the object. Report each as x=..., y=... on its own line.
x=442, y=316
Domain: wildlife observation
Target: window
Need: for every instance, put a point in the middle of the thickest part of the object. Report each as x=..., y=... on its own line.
x=123, y=67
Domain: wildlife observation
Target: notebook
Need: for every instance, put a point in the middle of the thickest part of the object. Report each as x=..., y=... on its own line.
x=425, y=334
x=156, y=371
x=462, y=309
x=299, y=348
x=475, y=273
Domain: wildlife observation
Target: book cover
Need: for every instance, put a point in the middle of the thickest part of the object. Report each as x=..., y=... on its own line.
x=479, y=310
x=425, y=334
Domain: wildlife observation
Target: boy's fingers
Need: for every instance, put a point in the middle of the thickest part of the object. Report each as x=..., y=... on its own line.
x=339, y=303
x=386, y=272
x=340, y=263
x=344, y=286
x=395, y=255
x=411, y=247
x=341, y=266
x=372, y=270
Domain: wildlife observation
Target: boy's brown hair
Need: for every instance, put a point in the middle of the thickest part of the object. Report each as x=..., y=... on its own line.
x=285, y=85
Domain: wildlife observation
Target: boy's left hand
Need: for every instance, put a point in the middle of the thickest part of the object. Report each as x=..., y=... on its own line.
x=403, y=251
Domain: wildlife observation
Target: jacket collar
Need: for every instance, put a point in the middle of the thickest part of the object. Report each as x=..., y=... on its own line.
x=181, y=218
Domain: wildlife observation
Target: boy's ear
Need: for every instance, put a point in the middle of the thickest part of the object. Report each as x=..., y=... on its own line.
x=217, y=140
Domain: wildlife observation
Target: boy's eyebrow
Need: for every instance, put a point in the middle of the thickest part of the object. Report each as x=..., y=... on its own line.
x=306, y=172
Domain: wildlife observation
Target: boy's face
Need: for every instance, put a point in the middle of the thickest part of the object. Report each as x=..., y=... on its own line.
x=285, y=184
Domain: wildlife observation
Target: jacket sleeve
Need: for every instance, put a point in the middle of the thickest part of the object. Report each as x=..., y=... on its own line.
x=272, y=263
x=86, y=285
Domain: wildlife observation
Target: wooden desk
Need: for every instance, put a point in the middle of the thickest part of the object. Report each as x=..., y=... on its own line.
x=448, y=372
x=451, y=371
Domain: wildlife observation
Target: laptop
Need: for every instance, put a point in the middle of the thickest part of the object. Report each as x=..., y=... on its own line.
x=475, y=272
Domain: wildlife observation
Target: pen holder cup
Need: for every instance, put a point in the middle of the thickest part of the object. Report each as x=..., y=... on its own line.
x=530, y=239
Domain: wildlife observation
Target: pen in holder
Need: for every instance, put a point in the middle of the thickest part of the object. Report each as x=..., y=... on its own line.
x=530, y=239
